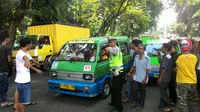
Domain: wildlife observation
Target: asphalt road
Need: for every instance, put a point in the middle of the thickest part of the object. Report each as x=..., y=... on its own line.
x=51, y=102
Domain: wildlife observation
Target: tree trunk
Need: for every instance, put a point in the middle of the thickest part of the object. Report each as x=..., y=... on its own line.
x=12, y=31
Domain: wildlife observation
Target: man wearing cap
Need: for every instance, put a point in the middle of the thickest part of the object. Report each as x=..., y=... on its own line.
x=186, y=65
x=165, y=77
x=116, y=66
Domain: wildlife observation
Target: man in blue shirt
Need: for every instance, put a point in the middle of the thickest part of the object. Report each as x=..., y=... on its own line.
x=135, y=44
x=165, y=77
x=140, y=74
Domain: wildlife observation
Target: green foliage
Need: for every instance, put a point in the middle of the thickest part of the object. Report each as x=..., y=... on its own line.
x=188, y=14
x=103, y=17
x=177, y=28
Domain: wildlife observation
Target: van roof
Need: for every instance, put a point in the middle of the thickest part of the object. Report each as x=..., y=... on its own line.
x=98, y=39
x=160, y=41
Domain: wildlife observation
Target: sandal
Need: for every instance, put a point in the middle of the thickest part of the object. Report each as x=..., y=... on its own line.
x=31, y=103
x=6, y=104
x=124, y=101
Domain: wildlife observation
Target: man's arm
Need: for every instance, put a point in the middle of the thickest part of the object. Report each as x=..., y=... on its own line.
x=36, y=70
x=159, y=59
x=9, y=56
x=164, y=68
x=113, y=50
x=133, y=68
x=148, y=65
x=146, y=76
x=27, y=63
x=37, y=63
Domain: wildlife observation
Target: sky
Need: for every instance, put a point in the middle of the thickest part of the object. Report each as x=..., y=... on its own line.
x=168, y=15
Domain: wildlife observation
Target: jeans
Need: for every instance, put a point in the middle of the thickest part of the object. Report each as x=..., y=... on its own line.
x=24, y=91
x=3, y=86
x=139, y=93
x=130, y=89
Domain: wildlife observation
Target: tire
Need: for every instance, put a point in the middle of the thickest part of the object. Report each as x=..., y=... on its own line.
x=47, y=64
x=106, y=89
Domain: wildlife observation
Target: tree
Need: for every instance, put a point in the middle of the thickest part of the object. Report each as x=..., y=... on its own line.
x=14, y=11
x=188, y=13
x=103, y=17
x=177, y=28
x=113, y=16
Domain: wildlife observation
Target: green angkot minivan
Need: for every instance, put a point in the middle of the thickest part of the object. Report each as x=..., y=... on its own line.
x=82, y=67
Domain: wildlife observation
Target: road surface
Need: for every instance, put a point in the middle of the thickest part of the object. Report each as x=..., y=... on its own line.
x=51, y=102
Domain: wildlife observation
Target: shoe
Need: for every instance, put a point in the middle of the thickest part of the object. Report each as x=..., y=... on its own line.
x=139, y=107
x=161, y=107
x=134, y=105
x=168, y=109
x=116, y=110
x=6, y=104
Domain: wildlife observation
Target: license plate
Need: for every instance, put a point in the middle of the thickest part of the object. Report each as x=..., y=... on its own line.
x=155, y=75
x=65, y=86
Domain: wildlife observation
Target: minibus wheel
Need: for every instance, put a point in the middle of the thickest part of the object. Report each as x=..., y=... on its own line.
x=106, y=89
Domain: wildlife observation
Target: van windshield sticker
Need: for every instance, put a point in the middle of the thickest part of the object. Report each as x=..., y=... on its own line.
x=87, y=68
x=81, y=41
x=55, y=65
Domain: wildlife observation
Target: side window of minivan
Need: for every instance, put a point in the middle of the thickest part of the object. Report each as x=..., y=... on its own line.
x=103, y=55
x=124, y=48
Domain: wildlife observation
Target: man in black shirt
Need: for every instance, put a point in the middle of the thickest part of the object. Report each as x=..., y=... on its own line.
x=5, y=65
x=172, y=84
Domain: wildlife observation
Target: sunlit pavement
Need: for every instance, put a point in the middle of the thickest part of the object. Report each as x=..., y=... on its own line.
x=51, y=102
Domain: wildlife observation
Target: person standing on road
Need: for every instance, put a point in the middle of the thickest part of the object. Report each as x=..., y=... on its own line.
x=16, y=95
x=140, y=72
x=186, y=65
x=135, y=44
x=165, y=77
x=5, y=65
x=172, y=84
x=116, y=66
x=23, y=74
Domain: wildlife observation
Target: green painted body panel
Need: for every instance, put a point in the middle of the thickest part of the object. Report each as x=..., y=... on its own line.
x=154, y=61
x=145, y=39
x=98, y=68
x=73, y=66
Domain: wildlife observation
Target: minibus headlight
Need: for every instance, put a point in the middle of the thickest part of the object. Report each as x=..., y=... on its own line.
x=88, y=76
x=53, y=74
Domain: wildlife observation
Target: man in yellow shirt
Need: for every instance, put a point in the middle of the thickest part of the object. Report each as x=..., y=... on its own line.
x=186, y=78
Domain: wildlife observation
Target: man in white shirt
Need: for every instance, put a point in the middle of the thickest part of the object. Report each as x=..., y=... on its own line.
x=23, y=74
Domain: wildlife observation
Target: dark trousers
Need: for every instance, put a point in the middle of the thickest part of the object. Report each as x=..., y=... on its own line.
x=172, y=89
x=139, y=93
x=116, y=96
x=3, y=86
x=165, y=100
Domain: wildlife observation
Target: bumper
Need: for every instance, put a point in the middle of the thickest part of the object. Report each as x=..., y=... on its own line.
x=78, y=88
x=154, y=74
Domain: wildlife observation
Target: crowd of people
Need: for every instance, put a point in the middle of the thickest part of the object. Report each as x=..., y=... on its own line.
x=178, y=78
x=22, y=79
x=178, y=75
